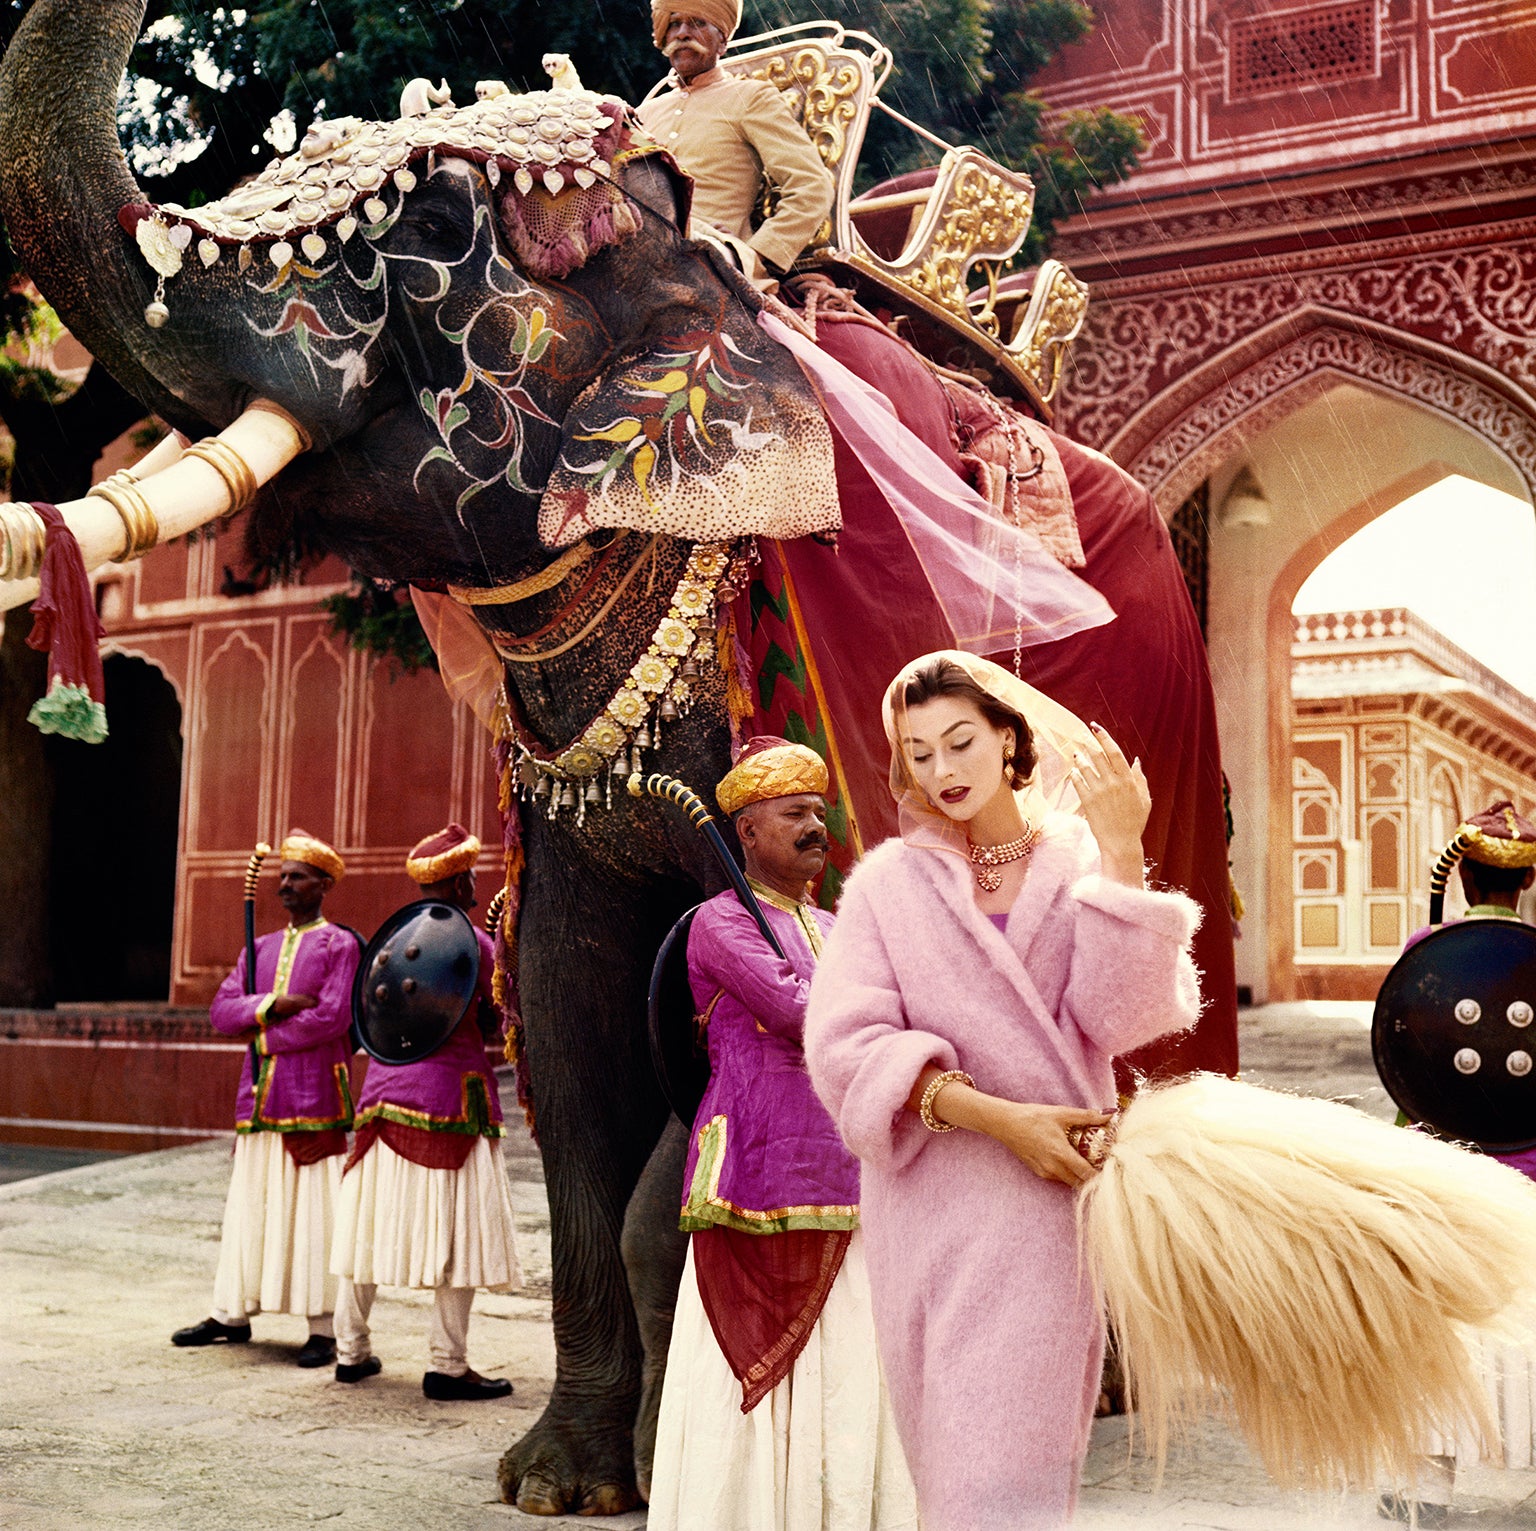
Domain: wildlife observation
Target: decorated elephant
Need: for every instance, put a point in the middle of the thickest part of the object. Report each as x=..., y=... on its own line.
x=525, y=393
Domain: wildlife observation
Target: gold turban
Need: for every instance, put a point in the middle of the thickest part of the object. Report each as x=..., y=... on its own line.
x=725, y=14
x=445, y=854
x=1499, y=837
x=300, y=845
x=770, y=767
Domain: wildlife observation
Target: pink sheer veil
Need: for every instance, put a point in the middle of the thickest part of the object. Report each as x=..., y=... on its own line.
x=1058, y=736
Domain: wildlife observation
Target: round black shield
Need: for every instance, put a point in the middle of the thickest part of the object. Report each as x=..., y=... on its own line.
x=677, y=1052
x=416, y=979
x=1453, y=1037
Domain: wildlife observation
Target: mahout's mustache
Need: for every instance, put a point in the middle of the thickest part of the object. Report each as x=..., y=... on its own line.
x=805, y=842
x=668, y=49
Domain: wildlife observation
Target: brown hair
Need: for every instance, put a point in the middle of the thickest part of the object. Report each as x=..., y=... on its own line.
x=943, y=677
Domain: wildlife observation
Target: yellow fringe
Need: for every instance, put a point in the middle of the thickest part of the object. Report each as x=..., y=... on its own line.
x=738, y=700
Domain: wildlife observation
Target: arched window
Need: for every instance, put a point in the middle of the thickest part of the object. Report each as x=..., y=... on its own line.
x=1444, y=807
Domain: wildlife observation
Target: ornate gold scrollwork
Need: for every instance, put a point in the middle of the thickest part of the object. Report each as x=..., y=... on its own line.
x=1055, y=314
x=982, y=220
x=975, y=220
x=823, y=94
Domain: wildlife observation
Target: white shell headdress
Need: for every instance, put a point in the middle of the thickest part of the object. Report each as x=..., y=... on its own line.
x=305, y=206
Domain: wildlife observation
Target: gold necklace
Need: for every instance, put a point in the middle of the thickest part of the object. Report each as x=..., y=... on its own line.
x=989, y=860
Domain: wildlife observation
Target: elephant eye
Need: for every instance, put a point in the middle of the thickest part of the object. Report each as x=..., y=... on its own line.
x=436, y=226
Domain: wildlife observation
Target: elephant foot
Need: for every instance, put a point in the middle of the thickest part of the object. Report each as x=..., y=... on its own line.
x=570, y=1462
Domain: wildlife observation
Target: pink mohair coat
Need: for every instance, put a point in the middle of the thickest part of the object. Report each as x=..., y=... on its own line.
x=990, y=1336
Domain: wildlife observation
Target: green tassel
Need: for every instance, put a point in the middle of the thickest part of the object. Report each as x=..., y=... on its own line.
x=70, y=711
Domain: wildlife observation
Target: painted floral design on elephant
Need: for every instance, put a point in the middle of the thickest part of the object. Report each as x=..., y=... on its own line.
x=689, y=414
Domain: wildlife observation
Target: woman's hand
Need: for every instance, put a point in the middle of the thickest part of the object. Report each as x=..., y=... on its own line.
x=1037, y=1137
x=1116, y=802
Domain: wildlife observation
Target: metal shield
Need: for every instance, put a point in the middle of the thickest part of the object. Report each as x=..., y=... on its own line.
x=416, y=980
x=1453, y=1038
x=677, y=1052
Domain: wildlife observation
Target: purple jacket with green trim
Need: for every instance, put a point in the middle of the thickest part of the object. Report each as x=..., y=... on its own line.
x=302, y=1085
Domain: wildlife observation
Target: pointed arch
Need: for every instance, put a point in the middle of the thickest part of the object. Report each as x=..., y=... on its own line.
x=1180, y=437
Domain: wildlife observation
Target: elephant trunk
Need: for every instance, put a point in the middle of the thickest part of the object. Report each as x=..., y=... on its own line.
x=63, y=177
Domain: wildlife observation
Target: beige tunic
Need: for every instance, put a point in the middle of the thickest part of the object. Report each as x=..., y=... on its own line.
x=730, y=135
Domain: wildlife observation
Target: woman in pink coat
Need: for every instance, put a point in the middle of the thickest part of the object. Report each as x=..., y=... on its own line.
x=985, y=969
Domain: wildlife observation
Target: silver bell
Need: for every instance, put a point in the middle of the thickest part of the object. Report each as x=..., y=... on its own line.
x=689, y=669
x=667, y=710
x=643, y=738
x=567, y=796
x=593, y=795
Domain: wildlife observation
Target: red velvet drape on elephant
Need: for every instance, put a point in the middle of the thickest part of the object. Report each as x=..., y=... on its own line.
x=825, y=630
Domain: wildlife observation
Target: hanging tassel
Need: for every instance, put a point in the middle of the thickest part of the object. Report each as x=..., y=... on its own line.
x=737, y=669
x=1274, y=1256
x=504, y=978
x=66, y=627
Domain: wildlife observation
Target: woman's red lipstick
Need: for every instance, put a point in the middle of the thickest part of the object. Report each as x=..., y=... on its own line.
x=955, y=794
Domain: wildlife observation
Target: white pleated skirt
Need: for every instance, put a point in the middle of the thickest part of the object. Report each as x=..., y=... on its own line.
x=274, y=1254
x=819, y=1453
x=1509, y=1373
x=399, y=1223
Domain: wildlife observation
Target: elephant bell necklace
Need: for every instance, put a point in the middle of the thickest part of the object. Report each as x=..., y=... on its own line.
x=989, y=860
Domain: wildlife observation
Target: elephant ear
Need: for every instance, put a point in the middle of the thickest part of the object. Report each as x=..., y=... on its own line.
x=708, y=436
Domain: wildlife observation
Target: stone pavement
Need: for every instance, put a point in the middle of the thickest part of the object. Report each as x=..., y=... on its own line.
x=104, y=1426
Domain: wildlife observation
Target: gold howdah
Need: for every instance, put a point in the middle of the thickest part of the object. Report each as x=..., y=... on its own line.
x=964, y=228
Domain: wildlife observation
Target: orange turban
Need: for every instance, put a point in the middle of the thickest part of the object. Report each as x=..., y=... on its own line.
x=770, y=767
x=725, y=14
x=300, y=845
x=445, y=854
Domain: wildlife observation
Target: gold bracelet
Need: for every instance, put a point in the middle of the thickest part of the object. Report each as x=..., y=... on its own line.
x=937, y=1083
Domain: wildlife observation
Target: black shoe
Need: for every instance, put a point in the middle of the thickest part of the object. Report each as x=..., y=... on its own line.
x=470, y=1388
x=319, y=1350
x=357, y=1372
x=211, y=1332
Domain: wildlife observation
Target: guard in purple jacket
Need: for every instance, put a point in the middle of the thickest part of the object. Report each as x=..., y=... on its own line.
x=773, y=1411
x=291, y=1115
x=425, y=1201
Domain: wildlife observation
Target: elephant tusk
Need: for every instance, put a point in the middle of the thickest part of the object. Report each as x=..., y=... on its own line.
x=174, y=490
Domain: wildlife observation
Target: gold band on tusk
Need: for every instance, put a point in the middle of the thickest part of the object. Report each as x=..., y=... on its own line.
x=236, y=472
x=22, y=538
x=140, y=525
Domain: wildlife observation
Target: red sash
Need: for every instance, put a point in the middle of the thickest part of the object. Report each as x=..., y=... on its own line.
x=434, y=1150
x=763, y=1294
x=312, y=1147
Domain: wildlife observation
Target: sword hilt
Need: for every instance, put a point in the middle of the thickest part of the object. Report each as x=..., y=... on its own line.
x=253, y=867
x=1440, y=874
x=669, y=787
x=494, y=910
x=659, y=785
